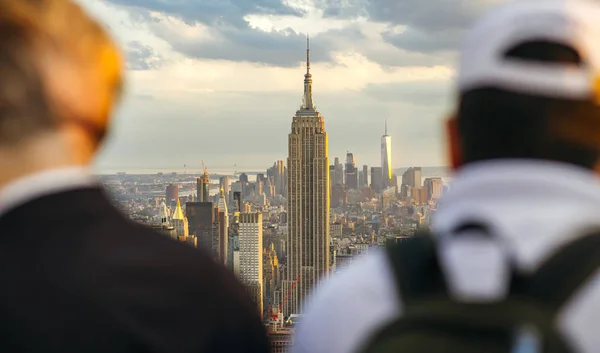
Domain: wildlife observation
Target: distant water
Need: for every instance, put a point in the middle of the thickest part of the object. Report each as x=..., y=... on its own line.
x=141, y=171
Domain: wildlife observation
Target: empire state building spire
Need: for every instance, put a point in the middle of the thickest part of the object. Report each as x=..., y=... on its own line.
x=307, y=101
x=307, y=55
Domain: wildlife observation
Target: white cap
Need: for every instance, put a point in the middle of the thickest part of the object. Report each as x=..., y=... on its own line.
x=569, y=22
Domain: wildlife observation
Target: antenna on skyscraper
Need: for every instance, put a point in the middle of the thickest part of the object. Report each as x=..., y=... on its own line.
x=386, y=126
x=307, y=54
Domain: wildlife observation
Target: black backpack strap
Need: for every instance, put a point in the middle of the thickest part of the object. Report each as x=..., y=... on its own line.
x=416, y=268
x=568, y=269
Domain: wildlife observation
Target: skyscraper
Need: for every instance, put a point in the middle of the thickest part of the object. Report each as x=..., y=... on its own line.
x=277, y=172
x=331, y=177
x=339, y=173
x=244, y=184
x=386, y=158
x=203, y=187
x=376, y=182
x=351, y=175
x=361, y=180
x=412, y=177
x=282, y=182
x=308, y=201
x=237, y=200
x=435, y=188
x=251, y=255
x=224, y=185
x=200, y=216
x=172, y=193
x=223, y=228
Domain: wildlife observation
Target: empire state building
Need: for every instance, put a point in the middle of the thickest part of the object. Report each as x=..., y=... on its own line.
x=308, y=202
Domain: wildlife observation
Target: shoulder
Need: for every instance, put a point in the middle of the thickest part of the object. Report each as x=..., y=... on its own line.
x=349, y=307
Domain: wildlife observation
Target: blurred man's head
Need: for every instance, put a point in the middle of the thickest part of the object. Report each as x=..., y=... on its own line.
x=529, y=86
x=60, y=76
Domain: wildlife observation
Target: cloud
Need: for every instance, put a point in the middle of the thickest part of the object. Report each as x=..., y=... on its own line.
x=430, y=42
x=142, y=57
x=434, y=15
x=375, y=42
x=273, y=33
x=343, y=8
x=283, y=48
x=143, y=50
x=415, y=25
x=212, y=12
x=225, y=30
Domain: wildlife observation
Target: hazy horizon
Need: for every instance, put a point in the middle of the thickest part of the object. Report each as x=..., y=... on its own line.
x=229, y=171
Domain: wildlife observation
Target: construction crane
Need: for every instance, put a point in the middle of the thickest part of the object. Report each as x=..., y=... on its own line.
x=282, y=305
x=204, y=168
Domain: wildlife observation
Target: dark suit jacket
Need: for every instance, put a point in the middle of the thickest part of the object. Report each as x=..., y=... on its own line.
x=77, y=276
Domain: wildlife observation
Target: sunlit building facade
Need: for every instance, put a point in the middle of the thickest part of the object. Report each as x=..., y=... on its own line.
x=251, y=255
x=386, y=159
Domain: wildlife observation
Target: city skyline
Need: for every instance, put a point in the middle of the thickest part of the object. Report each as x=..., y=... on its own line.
x=230, y=70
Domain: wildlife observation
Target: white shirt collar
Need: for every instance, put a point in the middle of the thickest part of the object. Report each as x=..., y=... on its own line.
x=43, y=183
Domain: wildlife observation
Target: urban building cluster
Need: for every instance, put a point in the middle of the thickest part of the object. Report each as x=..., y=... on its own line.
x=284, y=231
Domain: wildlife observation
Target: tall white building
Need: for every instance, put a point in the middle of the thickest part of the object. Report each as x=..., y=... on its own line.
x=386, y=159
x=251, y=255
x=308, y=202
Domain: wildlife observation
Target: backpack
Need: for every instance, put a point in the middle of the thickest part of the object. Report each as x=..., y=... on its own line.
x=523, y=322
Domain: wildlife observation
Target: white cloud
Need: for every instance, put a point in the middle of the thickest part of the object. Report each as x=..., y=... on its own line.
x=125, y=26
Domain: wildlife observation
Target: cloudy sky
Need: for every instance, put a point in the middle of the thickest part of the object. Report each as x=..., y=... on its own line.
x=219, y=80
